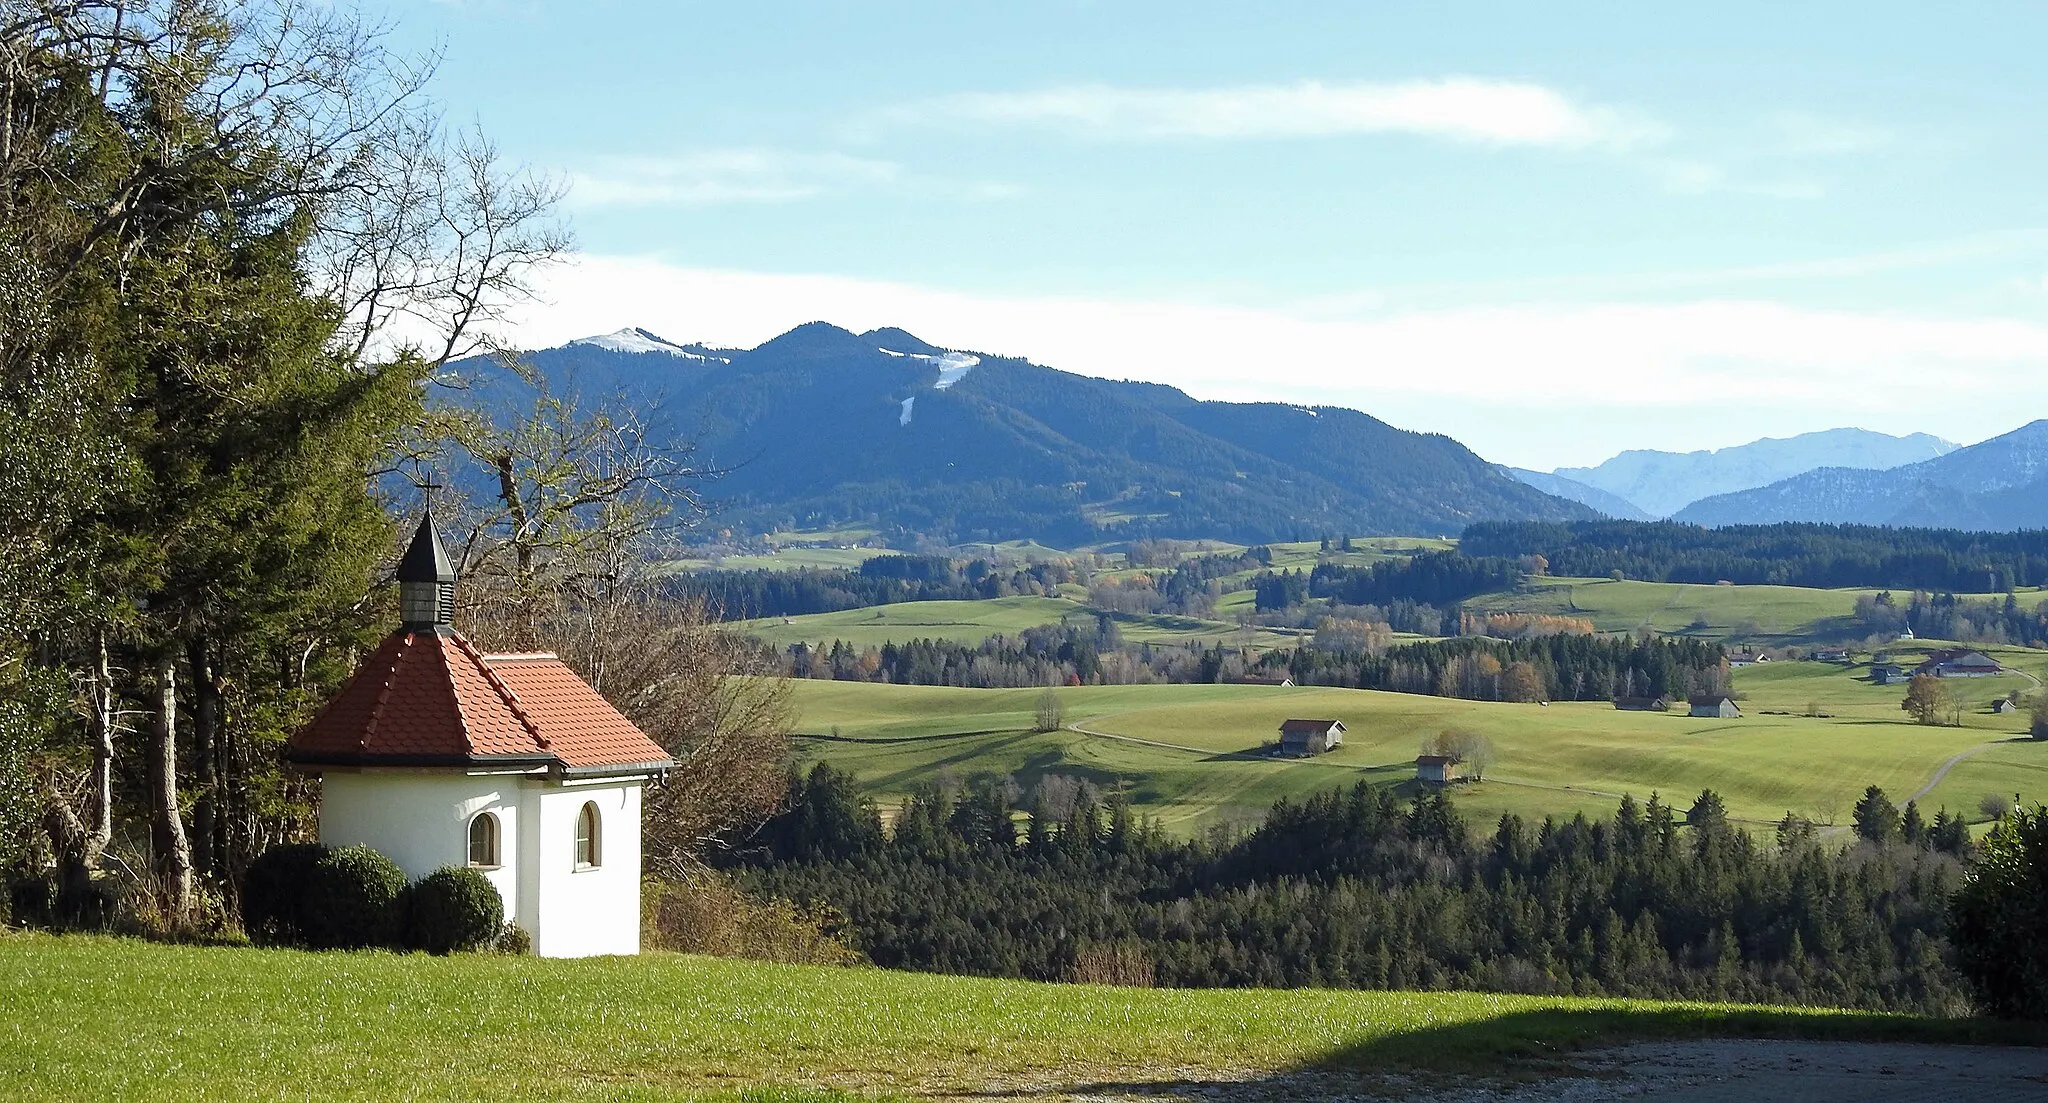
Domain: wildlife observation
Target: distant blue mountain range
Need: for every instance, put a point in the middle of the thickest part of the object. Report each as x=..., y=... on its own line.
x=1998, y=485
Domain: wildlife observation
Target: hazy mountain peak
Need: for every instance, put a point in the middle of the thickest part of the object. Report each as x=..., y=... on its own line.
x=633, y=339
x=2001, y=483
x=814, y=340
x=1662, y=483
x=898, y=340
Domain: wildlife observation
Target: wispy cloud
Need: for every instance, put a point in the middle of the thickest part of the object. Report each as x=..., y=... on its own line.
x=725, y=176
x=1721, y=280
x=1466, y=109
x=1802, y=134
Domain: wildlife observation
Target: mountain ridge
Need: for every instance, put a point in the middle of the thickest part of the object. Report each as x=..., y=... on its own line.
x=820, y=426
x=1997, y=484
x=1663, y=483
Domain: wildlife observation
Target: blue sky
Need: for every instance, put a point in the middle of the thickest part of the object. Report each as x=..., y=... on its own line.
x=1552, y=231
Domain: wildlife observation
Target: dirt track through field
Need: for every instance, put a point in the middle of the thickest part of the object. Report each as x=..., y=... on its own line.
x=1942, y=771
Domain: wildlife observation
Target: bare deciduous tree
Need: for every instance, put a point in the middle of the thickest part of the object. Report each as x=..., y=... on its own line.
x=711, y=697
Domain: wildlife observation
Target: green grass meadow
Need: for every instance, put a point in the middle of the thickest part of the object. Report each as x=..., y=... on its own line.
x=971, y=622
x=98, y=1018
x=1190, y=755
x=1762, y=614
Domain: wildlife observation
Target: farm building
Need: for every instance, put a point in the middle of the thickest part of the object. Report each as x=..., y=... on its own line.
x=1831, y=655
x=1311, y=736
x=1747, y=658
x=1281, y=683
x=1960, y=663
x=1714, y=705
x=1436, y=769
x=437, y=754
x=1885, y=674
x=2005, y=706
x=1642, y=704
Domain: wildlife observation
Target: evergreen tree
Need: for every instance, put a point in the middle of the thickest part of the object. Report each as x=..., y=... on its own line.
x=1877, y=820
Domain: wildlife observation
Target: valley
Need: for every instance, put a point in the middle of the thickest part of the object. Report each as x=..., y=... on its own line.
x=1194, y=756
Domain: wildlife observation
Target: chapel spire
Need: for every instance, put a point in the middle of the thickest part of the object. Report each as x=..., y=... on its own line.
x=426, y=581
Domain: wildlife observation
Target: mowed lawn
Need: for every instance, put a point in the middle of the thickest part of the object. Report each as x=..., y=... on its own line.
x=1192, y=755
x=96, y=1018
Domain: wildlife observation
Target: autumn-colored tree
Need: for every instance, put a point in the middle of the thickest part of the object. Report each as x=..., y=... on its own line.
x=1929, y=701
x=1522, y=683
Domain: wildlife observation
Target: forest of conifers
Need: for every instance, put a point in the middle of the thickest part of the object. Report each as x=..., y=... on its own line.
x=1791, y=554
x=1361, y=889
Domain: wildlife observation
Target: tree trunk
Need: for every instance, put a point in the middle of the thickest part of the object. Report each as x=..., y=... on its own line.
x=101, y=831
x=206, y=719
x=167, y=822
x=76, y=856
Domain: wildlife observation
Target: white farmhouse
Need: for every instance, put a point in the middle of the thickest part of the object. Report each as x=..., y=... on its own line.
x=439, y=755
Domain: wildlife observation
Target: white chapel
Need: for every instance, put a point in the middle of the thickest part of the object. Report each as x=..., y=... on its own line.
x=437, y=754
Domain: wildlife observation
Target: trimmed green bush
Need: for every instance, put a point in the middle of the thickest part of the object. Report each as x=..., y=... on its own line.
x=352, y=900
x=453, y=908
x=274, y=893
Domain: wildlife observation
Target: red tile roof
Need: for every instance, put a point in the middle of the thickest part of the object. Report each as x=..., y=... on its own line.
x=431, y=699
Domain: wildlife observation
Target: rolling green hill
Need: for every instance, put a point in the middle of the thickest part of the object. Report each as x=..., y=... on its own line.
x=98, y=1018
x=1192, y=755
x=1757, y=614
x=971, y=622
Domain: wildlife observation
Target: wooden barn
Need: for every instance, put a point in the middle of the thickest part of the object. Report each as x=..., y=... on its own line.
x=1716, y=705
x=1311, y=736
x=1436, y=769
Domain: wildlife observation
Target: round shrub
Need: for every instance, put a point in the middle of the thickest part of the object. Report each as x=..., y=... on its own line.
x=352, y=900
x=454, y=908
x=274, y=893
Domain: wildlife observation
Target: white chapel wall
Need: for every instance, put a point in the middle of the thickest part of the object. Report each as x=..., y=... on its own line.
x=420, y=820
x=580, y=913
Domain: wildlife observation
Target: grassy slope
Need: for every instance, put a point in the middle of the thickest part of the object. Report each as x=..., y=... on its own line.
x=974, y=621
x=1779, y=614
x=92, y=1018
x=1559, y=759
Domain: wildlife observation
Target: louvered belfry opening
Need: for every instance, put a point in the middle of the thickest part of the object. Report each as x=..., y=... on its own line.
x=426, y=581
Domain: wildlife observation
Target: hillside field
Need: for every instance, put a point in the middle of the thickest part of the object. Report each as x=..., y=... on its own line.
x=1192, y=756
x=971, y=622
x=1772, y=615
x=96, y=1018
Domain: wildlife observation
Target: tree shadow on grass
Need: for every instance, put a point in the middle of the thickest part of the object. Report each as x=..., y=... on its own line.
x=1537, y=1044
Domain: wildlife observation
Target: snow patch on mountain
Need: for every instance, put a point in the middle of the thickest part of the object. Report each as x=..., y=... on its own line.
x=635, y=339
x=904, y=418
x=952, y=365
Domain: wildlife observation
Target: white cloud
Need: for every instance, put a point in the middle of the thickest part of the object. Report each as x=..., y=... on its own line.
x=1459, y=108
x=1535, y=384
x=724, y=176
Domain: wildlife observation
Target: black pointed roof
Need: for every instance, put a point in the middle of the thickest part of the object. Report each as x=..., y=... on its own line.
x=424, y=560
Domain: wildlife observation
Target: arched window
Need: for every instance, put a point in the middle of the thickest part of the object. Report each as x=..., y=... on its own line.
x=589, y=841
x=483, y=840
